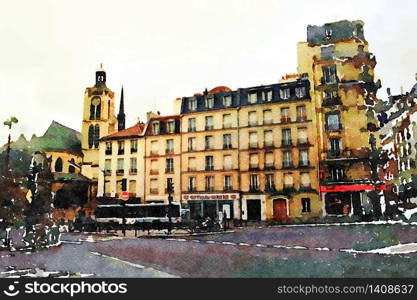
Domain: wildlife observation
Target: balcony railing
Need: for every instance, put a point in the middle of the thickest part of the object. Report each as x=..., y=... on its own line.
x=133, y=171
x=191, y=189
x=253, y=145
x=208, y=127
x=191, y=149
x=304, y=163
x=253, y=166
x=191, y=129
x=107, y=172
x=334, y=154
x=209, y=189
x=227, y=188
x=287, y=165
x=254, y=188
x=332, y=101
x=286, y=143
x=285, y=120
x=227, y=146
x=121, y=151
x=301, y=118
x=169, y=151
x=108, y=152
x=154, y=191
x=269, y=166
x=120, y=172
x=169, y=170
x=208, y=147
x=302, y=142
x=209, y=168
x=269, y=144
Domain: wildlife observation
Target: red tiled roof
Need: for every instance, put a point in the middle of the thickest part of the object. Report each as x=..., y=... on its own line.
x=219, y=89
x=131, y=131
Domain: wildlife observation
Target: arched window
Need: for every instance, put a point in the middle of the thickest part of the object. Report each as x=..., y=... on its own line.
x=90, y=136
x=96, y=135
x=71, y=168
x=58, y=165
x=95, y=108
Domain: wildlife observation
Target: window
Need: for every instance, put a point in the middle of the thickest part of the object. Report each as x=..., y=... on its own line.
x=133, y=146
x=330, y=96
x=305, y=180
x=154, y=186
x=209, y=122
x=253, y=161
x=301, y=113
x=288, y=182
x=305, y=204
x=252, y=98
x=154, y=147
x=333, y=121
x=227, y=141
x=155, y=127
x=133, y=165
x=287, y=163
x=302, y=136
x=269, y=182
x=209, y=101
x=71, y=168
x=108, y=148
x=93, y=136
x=253, y=118
x=58, y=165
x=191, y=125
x=208, y=142
x=227, y=162
x=169, y=165
x=285, y=115
x=254, y=182
x=170, y=146
x=107, y=165
x=191, y=144
x=95, y=108
x=120, y=167
x=120, y=147
x=227, y=121
x=267, y=117
x=227, y=101
x=171, y=126
x=192, y=104
x=284, y=93
x=334, y=151
x=209, y=163
x=227, y=183
x=286, y=137
x=154, y=166
x=329, y=74
x=132, y=187
x=191, y=164
x=191, y=184
x=269, y=160
x=268, y=96
x=268, y=138
x=303, y=157
x=300, y=91
x=337, y=173
x=209, y=183
x=253, y=140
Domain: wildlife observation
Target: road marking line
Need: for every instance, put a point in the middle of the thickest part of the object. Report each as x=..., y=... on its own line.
x=229, y=243
x=244, y=244
x=260, y=246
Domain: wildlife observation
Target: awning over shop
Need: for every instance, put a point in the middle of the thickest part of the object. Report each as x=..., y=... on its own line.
x=350, y=188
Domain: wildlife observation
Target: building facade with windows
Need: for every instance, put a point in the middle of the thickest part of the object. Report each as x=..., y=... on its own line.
x=121, y=157
x=247, y=153
x=162, y=157
x=343, y=90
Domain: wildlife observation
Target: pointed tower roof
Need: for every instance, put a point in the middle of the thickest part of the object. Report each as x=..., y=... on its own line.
x=121, y=117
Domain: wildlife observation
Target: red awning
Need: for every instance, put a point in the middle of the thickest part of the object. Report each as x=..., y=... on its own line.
x=350, y=188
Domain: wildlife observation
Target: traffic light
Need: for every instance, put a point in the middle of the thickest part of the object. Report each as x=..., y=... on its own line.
x=124, y=184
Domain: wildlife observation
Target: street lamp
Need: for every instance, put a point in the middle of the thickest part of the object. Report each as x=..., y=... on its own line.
x=9, y=124
x=170, y=191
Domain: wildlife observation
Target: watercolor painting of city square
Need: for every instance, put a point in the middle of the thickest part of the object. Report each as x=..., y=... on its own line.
x=208, y=139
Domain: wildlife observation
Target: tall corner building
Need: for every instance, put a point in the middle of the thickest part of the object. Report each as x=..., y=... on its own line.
x=98, y=120
x=341, y=70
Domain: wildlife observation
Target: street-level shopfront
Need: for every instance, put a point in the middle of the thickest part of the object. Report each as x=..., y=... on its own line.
x=203, y=205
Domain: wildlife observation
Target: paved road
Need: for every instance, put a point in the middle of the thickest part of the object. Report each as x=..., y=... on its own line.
x=250, y=252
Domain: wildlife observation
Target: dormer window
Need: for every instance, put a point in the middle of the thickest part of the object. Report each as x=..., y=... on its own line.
x=155, y=127
x=267, y=96
x=192, y=104
x=171, y=126
x=328, y=33
x=252, y=97
x=300, y=91
x=210, y=101
x=284, y=93
x=227, y=100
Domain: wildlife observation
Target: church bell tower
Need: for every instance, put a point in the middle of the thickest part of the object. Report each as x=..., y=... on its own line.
x=98, y=120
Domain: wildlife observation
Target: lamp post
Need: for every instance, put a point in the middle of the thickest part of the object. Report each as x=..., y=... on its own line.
x=170, y=191
x=8, y=123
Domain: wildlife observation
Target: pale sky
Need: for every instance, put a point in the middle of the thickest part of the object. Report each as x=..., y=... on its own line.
x=160, y=50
